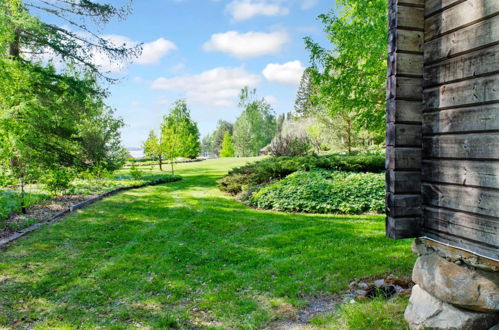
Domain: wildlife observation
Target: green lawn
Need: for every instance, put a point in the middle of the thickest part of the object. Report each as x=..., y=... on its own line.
x=184, y=254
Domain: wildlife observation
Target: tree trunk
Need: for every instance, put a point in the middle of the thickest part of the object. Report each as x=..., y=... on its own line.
x=160, y=163
x=349, y=135
x=23, y=197
x=14, y=47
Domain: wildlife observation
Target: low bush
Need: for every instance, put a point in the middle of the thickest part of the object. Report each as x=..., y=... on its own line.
x=320, y=191
x=58, y=181
x=290, y=146
x=275, y=168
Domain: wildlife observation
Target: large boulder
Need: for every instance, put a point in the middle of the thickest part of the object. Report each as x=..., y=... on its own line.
x=425, y=311
x=459, y=285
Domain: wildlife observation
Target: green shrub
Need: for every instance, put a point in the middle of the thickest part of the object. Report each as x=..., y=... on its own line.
x=275, y=168
x=290, y=146
x=135, y=172
x=58, y=180
x=320, y=191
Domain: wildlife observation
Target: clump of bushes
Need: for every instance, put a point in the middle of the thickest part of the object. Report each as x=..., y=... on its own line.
x=321, y=191
x=275, y=168
x=290, y=145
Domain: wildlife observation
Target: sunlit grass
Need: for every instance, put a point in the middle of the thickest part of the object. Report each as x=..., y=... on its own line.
x=184, y=254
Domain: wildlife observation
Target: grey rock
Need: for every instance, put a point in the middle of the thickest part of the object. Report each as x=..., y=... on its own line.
x=425, y=311
x=458, y=285
x=379, y=283
x=363, y=286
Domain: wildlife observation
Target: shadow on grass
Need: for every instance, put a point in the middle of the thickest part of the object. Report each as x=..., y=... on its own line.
x=183, y=254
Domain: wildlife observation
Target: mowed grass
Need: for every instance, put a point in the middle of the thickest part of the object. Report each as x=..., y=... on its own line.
x=186, y=255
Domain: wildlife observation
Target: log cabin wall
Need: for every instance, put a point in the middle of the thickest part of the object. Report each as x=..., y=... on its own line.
x=457, y=101
x=460, y=168
x=404, y=118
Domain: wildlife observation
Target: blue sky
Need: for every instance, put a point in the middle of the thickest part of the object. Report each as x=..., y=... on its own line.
x=205, y=51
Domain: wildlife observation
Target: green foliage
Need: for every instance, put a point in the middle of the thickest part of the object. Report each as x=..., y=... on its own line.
x=58, y=180
x=372, y=314
x=31, y=31
x=289, y=145
x=275, y=168
x=227, y=146
x=185, y=255
x=180, y=134
x=255, y=127
x=135, y=172
x=303, y=102
x=217, y=137
x=350, y=76
x=320, y=191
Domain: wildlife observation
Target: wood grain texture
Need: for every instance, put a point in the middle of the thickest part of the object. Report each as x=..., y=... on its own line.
x=464, y=93
x=464, y=40
x=399, y=228
x=479, y=201
x=463, y=67
x=462, y=172
x=405, y=64
x=402, y=159
x=403, y=135
x=433, y=6
x=463, y=243
x=405, y=88
x=475, y=119
x=404, y=111
x=459, y=16
x=462, y=224
x=403, y=205
x=464, y=146
x=405, y=41
x=403, y=182
x=410, y=17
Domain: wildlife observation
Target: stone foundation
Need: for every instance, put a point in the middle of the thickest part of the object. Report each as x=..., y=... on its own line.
x=455, y=289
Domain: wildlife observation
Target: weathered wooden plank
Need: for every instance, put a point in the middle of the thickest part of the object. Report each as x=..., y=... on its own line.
x=458, y=16
x=464, y=40
x=481, y=118
x=463, y=93
x=405, y=64
x=405, y=88
x=466, y=244
x=419, y=3
x=463, y=172
x=410, y=17
x=462, y=224
x=403, y=205
x=463, y=67
x=406, y=40
x=463, y=146
x=468, y=199
x=433, y=6
x=403, y=182
x=401, y=159
x=399, y=228
x=403, y=135
x=404, y=111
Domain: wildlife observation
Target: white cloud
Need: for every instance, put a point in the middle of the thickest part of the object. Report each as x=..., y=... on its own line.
x=309, y=4
x=242, y=10
x=248, y=44
x=152, y=52
x=218, y=87
x=163, y=100
x=271, y=99
x=288, y=73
